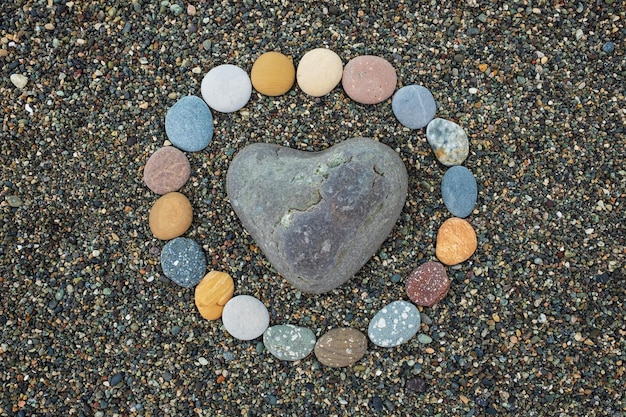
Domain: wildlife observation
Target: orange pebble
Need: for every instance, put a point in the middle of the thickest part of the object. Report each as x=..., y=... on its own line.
x=212, y=294
x=456, y=241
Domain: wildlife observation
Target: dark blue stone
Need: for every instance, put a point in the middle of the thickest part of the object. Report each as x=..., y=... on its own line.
x=459, y=191
x=183, y=262
x=608, y=47
x=116, y=379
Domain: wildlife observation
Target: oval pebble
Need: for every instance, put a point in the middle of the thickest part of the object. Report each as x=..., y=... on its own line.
x=183, y=261
x=414, y=106
x=288, y=342
x=394, y=324
x=459, y=191
x=167, y=170
x=273, y=74
x=19, y=80
x=245, y=317
x=319, y=71
x=226, y=88
x=427, y=284
x=341, y=347
x=170, y=216
x=212, y=294
x=456, y=241
x=369, y=79
x=189, y=124
x=448, y=141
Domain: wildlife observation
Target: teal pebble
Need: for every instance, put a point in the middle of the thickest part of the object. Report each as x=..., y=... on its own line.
x=288, y=342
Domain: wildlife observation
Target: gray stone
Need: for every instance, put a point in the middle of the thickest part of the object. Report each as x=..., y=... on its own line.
x=459, y=191
x=288, y=342
x=318, y=216
x=448, y=141
x=394, y=324
x=245, y=317
x=189, y=124
x=414, y=106
x=183, y=261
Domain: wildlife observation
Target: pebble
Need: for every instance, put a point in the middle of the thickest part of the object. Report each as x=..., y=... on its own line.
x=288, y=342
x=13, y=201
x=424, y=339
x=319, y=71
x=273, y=74
x=369, y=79
x=189, y=124
x=116, y=379
x=245, y=317
x=414, y=106
x=608, y=47
x=167, y=170
x=416, y=384
x=19, y=80
x=170, y=216
x=341, y=347
x=456, y=241
x=212, y=294
x=428, y=284
x=448, y=141
x=343, y=200
x=459, y=191
x=226, y=88
x=394, y=324
x=183, y=261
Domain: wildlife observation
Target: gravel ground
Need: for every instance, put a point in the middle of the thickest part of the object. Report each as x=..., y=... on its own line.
x=534, y=322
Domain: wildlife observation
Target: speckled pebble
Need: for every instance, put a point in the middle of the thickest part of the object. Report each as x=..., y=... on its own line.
x=183, y=261
x=226, y=88
x=341, y=347
x=245, y=317
x=394, y=324
x=448, y=141
x=428, y=284
x=414, y=106
x=189, y=124
x=288, y=342
x=459, y=191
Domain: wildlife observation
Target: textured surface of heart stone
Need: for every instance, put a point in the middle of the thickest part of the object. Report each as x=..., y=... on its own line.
x=318, y=216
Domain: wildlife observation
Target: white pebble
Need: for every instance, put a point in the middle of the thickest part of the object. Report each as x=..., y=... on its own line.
x=19, y=80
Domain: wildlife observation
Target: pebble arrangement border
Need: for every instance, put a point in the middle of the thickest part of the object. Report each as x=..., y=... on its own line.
x=298, y=331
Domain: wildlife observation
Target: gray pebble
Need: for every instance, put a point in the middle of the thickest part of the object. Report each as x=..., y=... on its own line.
x=459, y=191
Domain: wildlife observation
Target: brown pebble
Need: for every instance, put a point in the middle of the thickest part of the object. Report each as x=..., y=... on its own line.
x=167, y=170
x=273, y=74
x=456, y=241
x=428, y=284
x=212, y=294
x=341, y=347
x=170, y=216
x=369, y=79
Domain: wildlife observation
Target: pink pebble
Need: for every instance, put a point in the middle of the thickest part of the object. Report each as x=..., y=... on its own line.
x=167, y=170
x=369, y=79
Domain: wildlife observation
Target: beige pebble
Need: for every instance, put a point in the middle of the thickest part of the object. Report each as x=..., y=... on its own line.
x=19, y=80
x=319, y=71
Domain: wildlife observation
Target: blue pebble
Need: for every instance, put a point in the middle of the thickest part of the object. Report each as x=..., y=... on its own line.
x=414, y=106
x=183, y=262
x=189, y=124
x=459, y=191
x=116, y=379
x=608, y=47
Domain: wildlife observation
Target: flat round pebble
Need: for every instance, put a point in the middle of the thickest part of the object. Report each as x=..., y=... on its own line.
x=189, y=124
x=459, y=191
x=288, y=342
x=226, y=88
x=369, y=79
x=212, y=294
x=456, y=241
x=341, y=347
x=245, y=317
x=414, y=106
x=167, y=170
x=183, y=261
x=394, y=324
x=170, y=216
x=427, y=284
x=319, y=71
x=273, y=74
x=448, y=141
x=19, y=80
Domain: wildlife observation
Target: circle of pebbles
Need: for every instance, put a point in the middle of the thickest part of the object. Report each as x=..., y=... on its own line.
x=245, y=317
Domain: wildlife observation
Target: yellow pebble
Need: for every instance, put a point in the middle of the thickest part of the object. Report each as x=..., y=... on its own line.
x=273, y=74
x=212, y=294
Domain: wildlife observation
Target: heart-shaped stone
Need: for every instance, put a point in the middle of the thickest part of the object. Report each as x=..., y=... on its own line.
x=318, y=216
